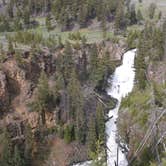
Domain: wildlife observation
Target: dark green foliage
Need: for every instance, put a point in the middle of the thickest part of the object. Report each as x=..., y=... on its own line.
x=92, y=136
x=164, y=38
x=104, y=27
x=18, y=160
x=48, y=22
x=26, y=17
x=75, y=96
x=4, y=24
x=93, y=62
x=65, y=63
x=28, y=145
x=100, y=67
x=10, y=9
x=151, y=10
x=81, y=126
x=119, y=17
x=25, y=37
x=158, y=95
x=100, y=122
x=10, y=46
x=141, y=66
x=151, y=46
x=139, y=16
x=42, y=100
x=96, y=131
x=132, y=38
x=160, y=15
x=133, y=17
x=6, y=158
x=69, y=133
x=17, y=24
x=75, y=36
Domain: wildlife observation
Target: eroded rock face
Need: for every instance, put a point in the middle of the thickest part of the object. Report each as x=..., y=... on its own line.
x=17, y=78
x=4, y=95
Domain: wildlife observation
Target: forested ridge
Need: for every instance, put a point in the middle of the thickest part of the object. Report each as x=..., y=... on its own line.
x=56, y=61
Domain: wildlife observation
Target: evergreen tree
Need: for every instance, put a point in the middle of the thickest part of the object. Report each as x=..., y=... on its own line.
x=6, y=25
x=100, y=120
x=119, y=16
x=160, y=15
x=26, y=18
x=17, y=158
x=41, y=102
x=10, y=9
x=93, y=62
x=6, y=158
x=104, y=27
x=75, y=96
x=65, y=63
x=92, y=136
x=43, y=95
x=164, y=38
x=151, y=10
x=17, y=24
x=83, y=14
x=28, y=145
x=140, y=64
x=133, y=17
x=139, y=16
x=48, y=22
x=10, y=46
x=69, y=133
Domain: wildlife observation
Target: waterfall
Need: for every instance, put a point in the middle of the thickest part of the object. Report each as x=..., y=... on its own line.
x=122, y=84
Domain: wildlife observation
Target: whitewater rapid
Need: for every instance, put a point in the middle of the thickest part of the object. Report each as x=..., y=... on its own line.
x=121, y=84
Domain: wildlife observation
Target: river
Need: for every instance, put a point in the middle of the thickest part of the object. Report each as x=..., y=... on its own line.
x=122, y=83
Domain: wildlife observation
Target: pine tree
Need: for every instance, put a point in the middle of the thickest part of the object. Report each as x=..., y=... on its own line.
x=42, y=98
x=43, y=95
x=65, y=63
x=6, y=25
x=160, y=15
x=6, y=158
x=26, y=18
x=75, y=96
x=28, y=145
x=100, y=120
x=83, y=15
x=140, y=64
x=151, y=10
x=48, y=22
x=104, y=27
x=119, y=16
x=17, y=24
x=164, y=38
x=133, y=17
x=139, y=16
x=81, y=127
x=69, y=133
x=10, y=46
x=10, y=9
x=92, y=137
x=17, y=158
x=93, y=62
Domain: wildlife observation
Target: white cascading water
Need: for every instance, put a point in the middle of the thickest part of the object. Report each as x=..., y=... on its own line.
x=122, y=84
